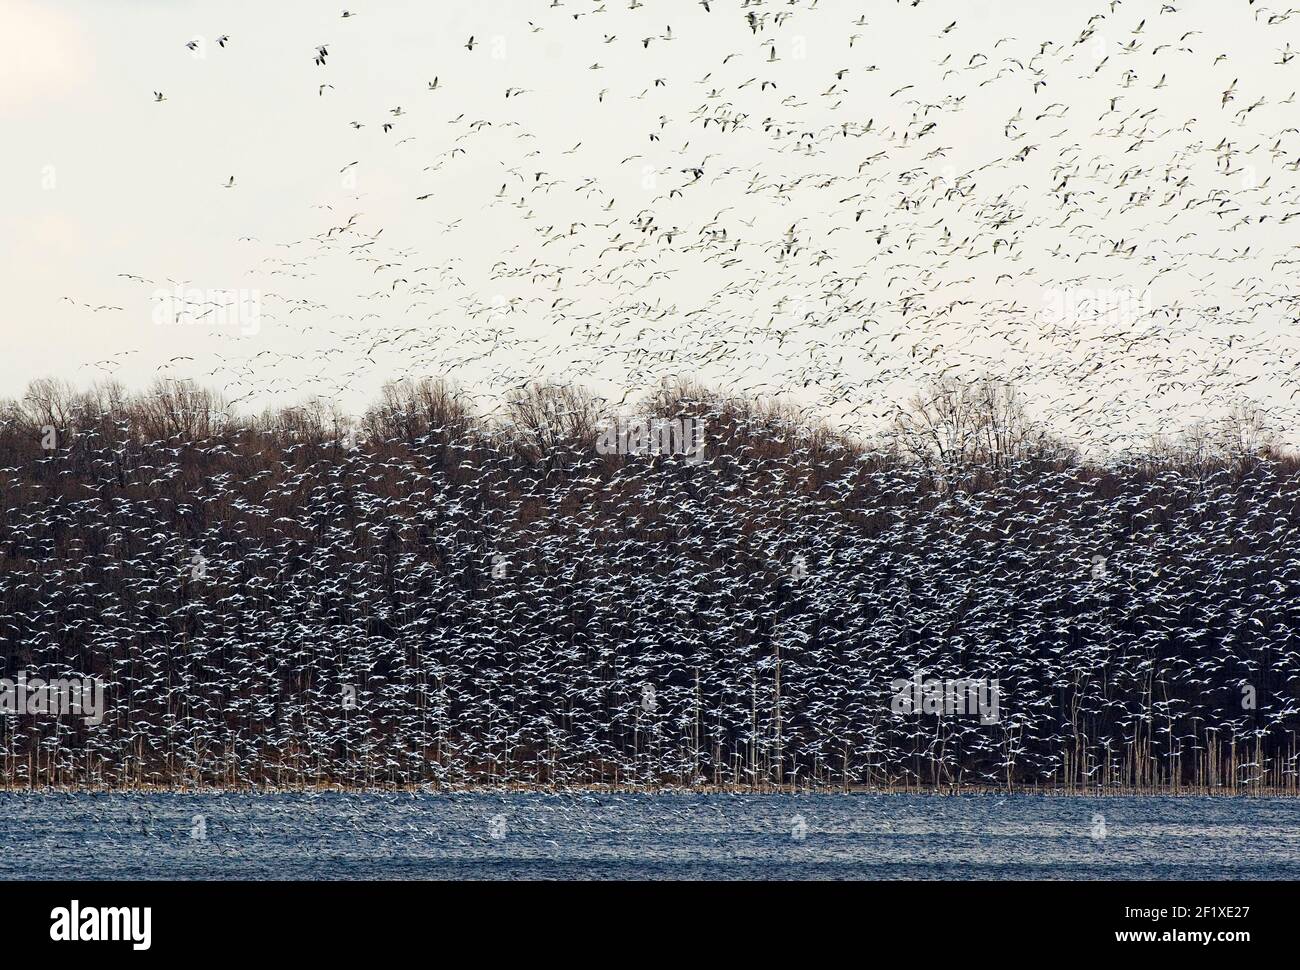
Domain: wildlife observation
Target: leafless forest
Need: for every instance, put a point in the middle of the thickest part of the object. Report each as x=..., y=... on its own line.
x=430, y=596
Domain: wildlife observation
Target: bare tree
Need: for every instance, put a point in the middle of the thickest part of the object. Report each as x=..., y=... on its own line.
x=952, y=426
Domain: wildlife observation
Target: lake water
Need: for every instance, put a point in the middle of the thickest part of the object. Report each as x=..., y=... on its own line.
x=627, y=836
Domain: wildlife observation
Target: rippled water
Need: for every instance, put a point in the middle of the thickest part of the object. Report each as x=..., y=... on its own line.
x=676, y=836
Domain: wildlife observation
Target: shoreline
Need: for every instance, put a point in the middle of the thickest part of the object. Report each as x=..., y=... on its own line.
x=664, y=790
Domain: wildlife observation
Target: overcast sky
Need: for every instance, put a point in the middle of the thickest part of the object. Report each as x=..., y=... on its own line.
x=516, y=262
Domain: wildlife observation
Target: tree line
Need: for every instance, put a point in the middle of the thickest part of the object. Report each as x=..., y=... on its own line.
x=432, y=595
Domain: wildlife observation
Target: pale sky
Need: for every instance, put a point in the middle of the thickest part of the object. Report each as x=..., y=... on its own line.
x=836, y=246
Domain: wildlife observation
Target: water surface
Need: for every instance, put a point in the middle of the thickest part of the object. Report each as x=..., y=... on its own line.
x=643, y=836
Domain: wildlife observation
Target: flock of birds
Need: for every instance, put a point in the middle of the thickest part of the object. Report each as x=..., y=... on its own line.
x=756, y=196
x=445, y=601
x=789, y=199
